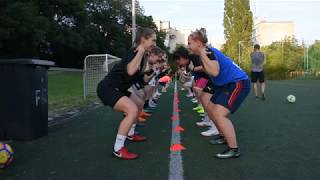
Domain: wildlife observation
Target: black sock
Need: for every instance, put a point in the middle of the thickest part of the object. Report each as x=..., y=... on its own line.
x=235, y=149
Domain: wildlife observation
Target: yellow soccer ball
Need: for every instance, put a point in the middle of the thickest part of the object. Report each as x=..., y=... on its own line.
x=6, y=155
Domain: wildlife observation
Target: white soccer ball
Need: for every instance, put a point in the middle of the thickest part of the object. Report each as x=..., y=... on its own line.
x=291, y=98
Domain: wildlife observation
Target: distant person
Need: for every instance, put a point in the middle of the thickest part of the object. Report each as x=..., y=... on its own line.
x=257, y=74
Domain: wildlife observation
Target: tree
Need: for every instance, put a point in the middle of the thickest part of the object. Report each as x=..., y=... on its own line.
x=238, y=25
x=314, y=57
x=66, y=31
x=22, y=29
x=283, y=57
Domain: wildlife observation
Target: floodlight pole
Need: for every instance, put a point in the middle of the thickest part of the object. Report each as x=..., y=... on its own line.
x=133, y=20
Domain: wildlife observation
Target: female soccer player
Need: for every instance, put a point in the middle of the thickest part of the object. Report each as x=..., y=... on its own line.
x=184, y=59
x=113, y=89
x=231, y=88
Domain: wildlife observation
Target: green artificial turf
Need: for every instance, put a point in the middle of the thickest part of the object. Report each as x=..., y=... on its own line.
x=81, y=149
x=278, y=140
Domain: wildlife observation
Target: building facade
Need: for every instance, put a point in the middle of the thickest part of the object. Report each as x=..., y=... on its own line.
x=174, y=36
x=267, y=32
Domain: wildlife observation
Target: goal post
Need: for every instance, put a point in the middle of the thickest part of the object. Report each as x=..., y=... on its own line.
x=96, y=67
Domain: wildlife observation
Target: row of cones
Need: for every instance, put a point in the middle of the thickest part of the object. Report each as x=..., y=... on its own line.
x=178, y=128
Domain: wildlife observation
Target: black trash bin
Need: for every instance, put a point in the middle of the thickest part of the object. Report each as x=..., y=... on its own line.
x=23, y=98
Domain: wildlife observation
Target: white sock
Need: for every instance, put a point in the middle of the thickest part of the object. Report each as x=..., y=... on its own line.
x=131, y=131
x=150, y=102
x=206, y=118
x=120, y=139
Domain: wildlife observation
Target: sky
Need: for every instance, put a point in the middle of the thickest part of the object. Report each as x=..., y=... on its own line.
x=192, y=14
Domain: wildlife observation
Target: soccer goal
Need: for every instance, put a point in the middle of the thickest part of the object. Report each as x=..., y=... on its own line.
x=96, y=67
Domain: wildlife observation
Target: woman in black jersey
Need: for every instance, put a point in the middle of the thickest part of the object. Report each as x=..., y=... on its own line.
x=113, y=89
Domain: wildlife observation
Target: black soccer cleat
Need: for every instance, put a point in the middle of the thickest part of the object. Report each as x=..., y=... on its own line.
x=217, y=140
x=229, y=153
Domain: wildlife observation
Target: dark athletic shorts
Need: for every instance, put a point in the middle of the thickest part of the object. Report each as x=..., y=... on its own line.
x=209, y=88
x=231, y=95
x=110, y=95
x=255, y=76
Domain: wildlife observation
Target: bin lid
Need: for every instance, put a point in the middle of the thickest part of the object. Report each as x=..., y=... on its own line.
x=27, y=61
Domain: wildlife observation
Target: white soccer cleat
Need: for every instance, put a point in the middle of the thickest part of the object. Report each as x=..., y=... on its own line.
x=210, y=132
x=152, y=104
x=203, y=123
x=194, y=100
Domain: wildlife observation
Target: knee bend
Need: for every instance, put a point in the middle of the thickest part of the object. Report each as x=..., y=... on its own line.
x=132, y=112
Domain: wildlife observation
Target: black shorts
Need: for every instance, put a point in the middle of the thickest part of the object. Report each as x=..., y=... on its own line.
x=255, y=76
x=110, y=95
x=209, y=88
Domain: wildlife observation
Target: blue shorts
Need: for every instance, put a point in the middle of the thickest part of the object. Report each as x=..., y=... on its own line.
x=231, y=95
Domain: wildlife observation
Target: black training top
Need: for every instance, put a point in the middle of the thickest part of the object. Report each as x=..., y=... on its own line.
x=119, y=78
x=195, y=59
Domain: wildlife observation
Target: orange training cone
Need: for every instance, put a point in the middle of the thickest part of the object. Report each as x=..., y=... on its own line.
x=174, y=117
x=177, y=147
x=178, y=129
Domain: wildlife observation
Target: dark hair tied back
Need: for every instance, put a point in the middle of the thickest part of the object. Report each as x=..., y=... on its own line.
x=143, y=32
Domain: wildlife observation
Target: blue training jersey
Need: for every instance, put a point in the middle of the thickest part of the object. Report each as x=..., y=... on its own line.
x=229, y=71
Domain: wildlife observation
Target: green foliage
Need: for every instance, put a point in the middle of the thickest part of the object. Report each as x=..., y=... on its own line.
x=283, y=57
x=314, y=57
x=65, y=31
x=238, y=25
x=22, y=29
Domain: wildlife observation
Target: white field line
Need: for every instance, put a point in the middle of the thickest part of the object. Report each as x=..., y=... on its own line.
x=176, y=165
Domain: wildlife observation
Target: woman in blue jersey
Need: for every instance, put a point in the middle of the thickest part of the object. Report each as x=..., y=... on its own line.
x=231, y=88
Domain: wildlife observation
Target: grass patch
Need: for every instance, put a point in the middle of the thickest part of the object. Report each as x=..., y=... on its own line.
x=65, y=90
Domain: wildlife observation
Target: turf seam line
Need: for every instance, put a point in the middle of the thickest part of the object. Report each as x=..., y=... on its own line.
x=175, y=164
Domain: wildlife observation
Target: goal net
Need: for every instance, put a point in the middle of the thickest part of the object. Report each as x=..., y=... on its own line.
x=96, y=67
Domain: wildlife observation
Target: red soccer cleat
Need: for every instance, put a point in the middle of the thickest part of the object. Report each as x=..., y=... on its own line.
x=137, y=138
x=124, y=154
